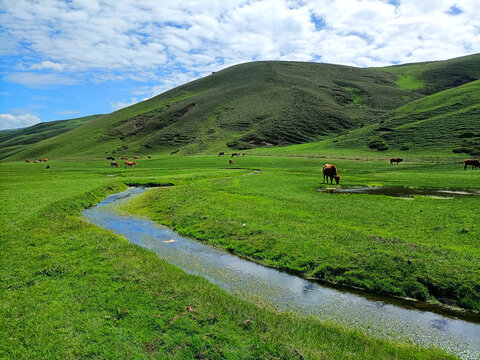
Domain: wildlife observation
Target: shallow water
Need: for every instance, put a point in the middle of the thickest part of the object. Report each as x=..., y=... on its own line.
x=398, y=191
x=380, y=318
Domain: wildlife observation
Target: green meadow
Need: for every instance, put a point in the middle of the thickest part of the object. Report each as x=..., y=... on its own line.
x=70, y=290
x=423, y=248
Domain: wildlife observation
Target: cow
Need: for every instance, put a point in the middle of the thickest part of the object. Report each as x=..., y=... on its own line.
x=243, y=154
x=330, y=171
x=136, y=157
x=110, y=158
x=47, y=167
x=474, y=162
x=124, y=158
x=221, y=154
x=149, y=157
x=235, y=154
x=395, y=160
x=114, y=164
x=45, y=160
x=130, y=163
x=230, y=161
x=36, y=161
x=27, y=160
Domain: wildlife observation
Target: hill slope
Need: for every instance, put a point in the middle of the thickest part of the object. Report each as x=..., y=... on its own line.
x=254, y=104
x=11, y=141
x=270, y=103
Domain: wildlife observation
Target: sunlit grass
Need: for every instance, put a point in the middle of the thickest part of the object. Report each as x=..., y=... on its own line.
x=71, y=290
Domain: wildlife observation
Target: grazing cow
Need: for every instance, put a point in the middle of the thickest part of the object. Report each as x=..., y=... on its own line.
x=47, y=167
x=149, y=157
x=235, y=154
x=45, y=160
x=136, y=157
x=27, y=160
x=395, y=160
x=114, y=164
x=124, y=158
x=243, y=154
x=474, y=162
x=110, y=158
x=230, y=161
x=330, y=171
x=221, y=154
x=130, y=163
x=36, y=161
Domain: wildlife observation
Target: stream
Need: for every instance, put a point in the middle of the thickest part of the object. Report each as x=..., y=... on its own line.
x=376, y=317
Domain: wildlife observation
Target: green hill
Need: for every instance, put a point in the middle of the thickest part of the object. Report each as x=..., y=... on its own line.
x=12, y=141
x=265, y=104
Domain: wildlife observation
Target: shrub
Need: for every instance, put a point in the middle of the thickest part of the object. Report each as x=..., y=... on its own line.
x=378, y=144
x=465, y=150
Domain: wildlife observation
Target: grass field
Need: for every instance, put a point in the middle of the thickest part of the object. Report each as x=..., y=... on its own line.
x=424, y=248
x=70, y=290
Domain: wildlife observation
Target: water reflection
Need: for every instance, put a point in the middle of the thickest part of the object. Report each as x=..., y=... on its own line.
x=398, y=191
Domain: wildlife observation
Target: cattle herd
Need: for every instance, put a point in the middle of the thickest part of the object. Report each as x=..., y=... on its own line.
x=126, y=162
x=329, y=170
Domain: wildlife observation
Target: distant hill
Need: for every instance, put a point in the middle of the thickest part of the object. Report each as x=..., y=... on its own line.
x=15, y=140
x=270, y=103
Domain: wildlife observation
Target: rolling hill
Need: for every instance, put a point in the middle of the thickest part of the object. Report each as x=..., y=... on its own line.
x=263, y=104
x=12, y=141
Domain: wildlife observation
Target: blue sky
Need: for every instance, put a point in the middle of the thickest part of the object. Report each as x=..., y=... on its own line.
x=67, y=59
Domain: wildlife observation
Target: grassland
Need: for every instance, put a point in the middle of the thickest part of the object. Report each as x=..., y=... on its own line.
x=70, y=290
x=422, y=248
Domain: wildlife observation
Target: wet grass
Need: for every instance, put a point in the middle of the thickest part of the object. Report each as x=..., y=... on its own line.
x=424, y=248
x=71, y=290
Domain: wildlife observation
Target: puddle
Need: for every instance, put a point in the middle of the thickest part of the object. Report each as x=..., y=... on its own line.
x=378, y=317
x=402, y=192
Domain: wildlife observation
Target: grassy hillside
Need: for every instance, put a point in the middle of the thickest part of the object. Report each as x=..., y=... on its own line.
x=11, y=141
x=431, y=77
x=445, y=123
x=249, y=105
x=414, y=107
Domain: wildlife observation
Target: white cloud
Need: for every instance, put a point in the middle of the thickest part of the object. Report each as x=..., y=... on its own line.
x=9, y=121
x=121, y=104
x=36, y=80
x=67, y=112
x=151, y=40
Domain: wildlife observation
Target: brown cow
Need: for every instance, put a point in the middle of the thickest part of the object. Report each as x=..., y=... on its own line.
x=136, y=157
x=114, y=164
x=45, y=160
x=330, y=171
x=474, y=162
x=124, y=158
x=130, y=163
x=395, y=160
x=27, y=160
x=230, y=161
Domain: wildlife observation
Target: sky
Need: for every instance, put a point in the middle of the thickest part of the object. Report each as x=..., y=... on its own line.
x=73, y=58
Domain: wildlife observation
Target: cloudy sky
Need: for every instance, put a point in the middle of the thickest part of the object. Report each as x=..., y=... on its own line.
x=72, y=58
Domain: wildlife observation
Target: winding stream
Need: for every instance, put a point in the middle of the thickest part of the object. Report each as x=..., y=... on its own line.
x=379, y=318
